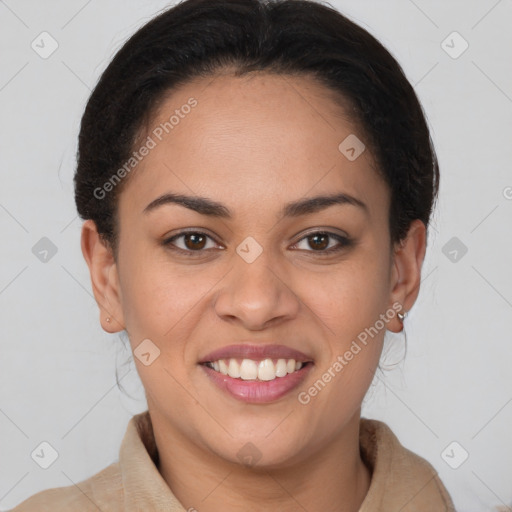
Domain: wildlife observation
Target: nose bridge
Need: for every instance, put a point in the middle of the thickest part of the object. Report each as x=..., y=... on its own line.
x=255, y=292
x=255, y=269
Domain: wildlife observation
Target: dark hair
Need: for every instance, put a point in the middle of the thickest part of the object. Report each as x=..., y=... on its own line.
x=199, y=38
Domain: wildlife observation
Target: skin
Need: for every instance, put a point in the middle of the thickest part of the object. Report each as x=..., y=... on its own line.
x=254, y=144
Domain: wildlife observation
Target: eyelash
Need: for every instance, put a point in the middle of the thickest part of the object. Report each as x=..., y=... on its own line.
x=344, y=243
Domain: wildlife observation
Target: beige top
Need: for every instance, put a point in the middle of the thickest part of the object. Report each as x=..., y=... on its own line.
x=401, y=480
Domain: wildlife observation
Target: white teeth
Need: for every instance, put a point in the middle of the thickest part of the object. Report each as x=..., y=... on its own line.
x=249, y=369
x=223, y=367
x=234, y=369
x=281, y=370
x=266, y=370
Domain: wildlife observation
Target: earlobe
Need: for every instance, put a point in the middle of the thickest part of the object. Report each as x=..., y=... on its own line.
x=406, y=273
x=104, y=278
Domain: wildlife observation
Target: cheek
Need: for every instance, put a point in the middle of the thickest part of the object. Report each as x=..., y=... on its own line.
x=346, y=366
x=165, y=302
x=351, y=304
x=353, y=295
x=153, y=290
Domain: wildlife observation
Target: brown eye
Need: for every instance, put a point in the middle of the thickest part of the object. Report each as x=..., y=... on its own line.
x=191, y=242
x=194, y=241
x=319, y=242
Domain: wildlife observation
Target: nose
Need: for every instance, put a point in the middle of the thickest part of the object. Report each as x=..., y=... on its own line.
x=256, y=294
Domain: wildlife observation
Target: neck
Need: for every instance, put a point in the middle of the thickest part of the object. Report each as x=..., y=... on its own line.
x=332, y=478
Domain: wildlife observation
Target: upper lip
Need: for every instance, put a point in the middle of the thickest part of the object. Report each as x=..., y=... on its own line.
x=256, y=352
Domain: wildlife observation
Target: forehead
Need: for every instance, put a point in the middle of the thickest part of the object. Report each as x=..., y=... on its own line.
x=253, y=140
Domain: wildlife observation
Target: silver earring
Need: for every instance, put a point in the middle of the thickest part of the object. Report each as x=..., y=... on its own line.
x=108, y=319
x=402, y=316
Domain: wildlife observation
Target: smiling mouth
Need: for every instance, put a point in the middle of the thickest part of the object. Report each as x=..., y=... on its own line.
x=257, y=370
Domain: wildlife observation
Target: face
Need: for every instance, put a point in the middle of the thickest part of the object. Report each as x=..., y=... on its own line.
x=249, y=275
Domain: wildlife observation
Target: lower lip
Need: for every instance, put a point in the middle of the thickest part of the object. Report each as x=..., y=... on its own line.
x=257, y=391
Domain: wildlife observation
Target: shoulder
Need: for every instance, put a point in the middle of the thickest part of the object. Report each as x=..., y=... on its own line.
x=400, y=477
x=103, y=491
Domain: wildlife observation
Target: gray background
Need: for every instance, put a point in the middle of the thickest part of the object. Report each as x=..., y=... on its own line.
x=57, y=367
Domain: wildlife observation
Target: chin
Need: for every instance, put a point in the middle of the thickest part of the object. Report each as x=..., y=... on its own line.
x=258, y=452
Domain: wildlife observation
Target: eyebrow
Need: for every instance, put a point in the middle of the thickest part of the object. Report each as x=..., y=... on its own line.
x=205, y=206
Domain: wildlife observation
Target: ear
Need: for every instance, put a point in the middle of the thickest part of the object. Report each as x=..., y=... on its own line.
x=406, y=271
x=104, y=277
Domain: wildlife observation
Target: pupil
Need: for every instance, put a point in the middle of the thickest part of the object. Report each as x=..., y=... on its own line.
x=194, y=237
x=316, y=237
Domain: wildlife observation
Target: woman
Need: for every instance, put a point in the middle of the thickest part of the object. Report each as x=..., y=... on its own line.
x=256, y=181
